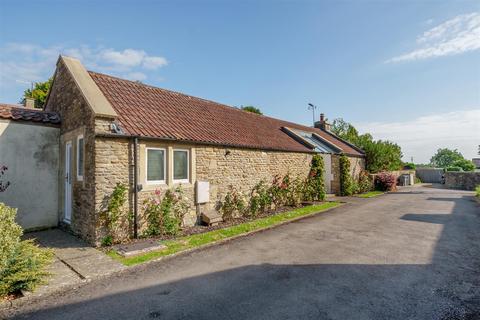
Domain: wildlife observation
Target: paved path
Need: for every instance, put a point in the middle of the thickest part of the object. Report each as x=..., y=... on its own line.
x=414, y=254
x=75, y=261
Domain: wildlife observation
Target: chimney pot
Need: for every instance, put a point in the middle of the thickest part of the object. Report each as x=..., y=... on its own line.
x=322, y=124
x=29, y=103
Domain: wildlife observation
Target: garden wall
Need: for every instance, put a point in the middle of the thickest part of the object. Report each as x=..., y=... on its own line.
x=462, y=180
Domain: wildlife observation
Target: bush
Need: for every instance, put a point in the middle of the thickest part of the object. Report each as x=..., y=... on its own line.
x=477, y=191
x=165, y=215
x=233, y=203
x=454, y=169
x=409, y=166
x=111, y=217
x=347, y=186
x=261, y=199
x=386, y=181
x=465, y=164
x=22, y=263
x=314, y=189
x=365, y=182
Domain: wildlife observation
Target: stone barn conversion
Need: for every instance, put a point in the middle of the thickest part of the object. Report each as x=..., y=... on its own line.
x=97, y=130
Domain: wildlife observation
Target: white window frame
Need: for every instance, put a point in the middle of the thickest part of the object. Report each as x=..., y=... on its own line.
x=164, y=166
x=80, y=177
x=187, y=180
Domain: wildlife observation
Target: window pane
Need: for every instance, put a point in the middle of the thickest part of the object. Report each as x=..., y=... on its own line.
x=180, y=165
x=155, y=165
x=80, y=158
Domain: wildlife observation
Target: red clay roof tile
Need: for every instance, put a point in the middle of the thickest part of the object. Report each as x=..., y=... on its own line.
x=17, y=112
x=154, y=112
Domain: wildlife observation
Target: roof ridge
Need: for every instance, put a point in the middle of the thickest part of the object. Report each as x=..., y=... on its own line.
x=199, y=98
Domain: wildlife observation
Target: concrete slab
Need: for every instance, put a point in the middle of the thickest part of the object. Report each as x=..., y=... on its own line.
x=76, y=256
x=139, y=247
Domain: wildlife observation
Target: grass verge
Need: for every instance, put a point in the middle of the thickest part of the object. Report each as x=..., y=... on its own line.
x=202, y=239
x=370, y=194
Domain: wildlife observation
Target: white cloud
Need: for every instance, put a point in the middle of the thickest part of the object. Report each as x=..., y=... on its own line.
x=136, y=76
x=127, y=57
x=154, y=62
x=420, y=137
x=27, y=62
x=458, y=35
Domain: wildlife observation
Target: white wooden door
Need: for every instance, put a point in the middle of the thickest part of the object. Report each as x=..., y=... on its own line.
x=68, y=183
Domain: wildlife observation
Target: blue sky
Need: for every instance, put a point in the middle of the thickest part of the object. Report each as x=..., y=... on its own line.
x=401, y=70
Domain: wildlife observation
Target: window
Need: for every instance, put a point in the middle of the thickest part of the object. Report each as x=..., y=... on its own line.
x=180, y=165
x=80, y=158
x=155, y=165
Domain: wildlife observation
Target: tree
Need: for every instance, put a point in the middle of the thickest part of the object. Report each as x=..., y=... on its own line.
x=445, y=157
x=252, y=109
x=465, y=164
x=39, y=93
x=380, y=155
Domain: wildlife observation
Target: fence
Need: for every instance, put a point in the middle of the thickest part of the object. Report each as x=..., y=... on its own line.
x=430, y=175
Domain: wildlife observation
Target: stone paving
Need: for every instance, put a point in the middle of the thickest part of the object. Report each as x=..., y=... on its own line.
x=75, y=261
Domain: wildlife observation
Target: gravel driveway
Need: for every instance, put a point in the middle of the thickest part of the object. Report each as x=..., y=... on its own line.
x=414, y=254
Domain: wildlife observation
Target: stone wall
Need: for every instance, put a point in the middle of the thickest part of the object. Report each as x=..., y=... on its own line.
x=462, y=180
x=244, y=168
x=77, y=119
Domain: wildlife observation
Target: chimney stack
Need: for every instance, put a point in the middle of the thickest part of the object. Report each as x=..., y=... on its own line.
x=29, y=103
x=322, y=124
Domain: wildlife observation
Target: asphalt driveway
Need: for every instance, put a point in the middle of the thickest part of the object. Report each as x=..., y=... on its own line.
x=414, y=254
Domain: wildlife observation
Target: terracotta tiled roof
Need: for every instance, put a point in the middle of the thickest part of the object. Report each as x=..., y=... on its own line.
x=17, y=112
x=153, y=112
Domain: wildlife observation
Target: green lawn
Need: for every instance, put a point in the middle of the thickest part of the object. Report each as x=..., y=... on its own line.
x=370, y=194
x=198, y=240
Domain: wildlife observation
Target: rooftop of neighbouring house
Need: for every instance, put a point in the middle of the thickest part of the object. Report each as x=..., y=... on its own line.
x=20, y=113
x=148, y=111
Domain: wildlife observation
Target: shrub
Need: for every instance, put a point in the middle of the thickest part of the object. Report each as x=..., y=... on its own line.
x=233, y=203
x=409, y=166
x=165, y=215
x=386, y=181
x=260, y=199
x=454, y=169
x=314, y=188
x=465, y=164
x=477, y=191
x=347, y=187
x=294, y=192
x=365, y=182
x=22, y=263
x=112, y=216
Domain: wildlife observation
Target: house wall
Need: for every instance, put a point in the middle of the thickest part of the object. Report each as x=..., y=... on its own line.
x=77, y=119
x=242, y=168
x=31, y=153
